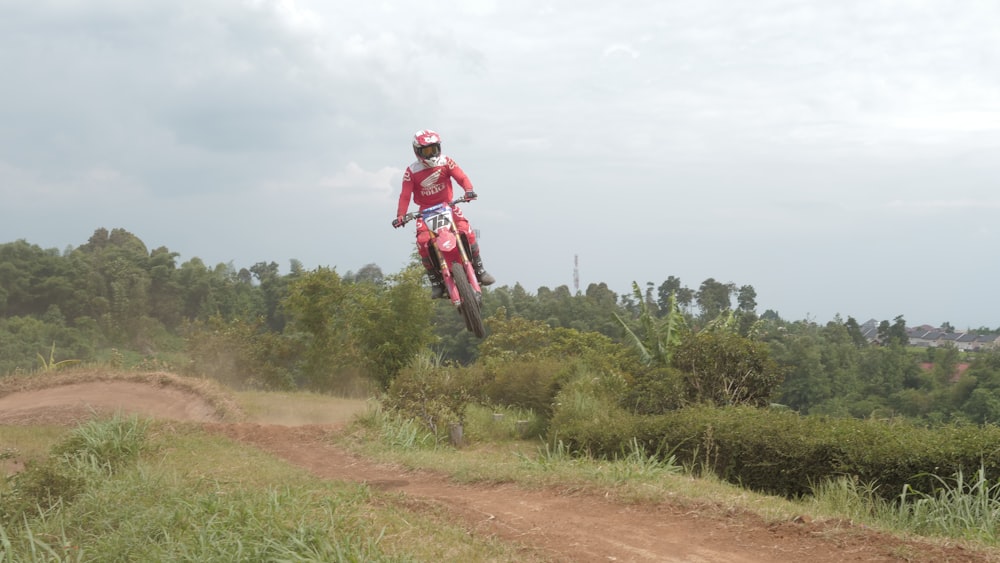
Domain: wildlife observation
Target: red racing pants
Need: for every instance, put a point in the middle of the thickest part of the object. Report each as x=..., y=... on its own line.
x=424, y=235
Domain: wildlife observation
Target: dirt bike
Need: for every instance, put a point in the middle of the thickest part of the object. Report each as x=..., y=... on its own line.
x=450, y=253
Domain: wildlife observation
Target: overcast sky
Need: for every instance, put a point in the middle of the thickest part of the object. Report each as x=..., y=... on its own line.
x=840, y=157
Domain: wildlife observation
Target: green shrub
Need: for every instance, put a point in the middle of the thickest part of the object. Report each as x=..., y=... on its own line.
x=784, y=453
x=96, y=448
x=587, y=415
x=500, y=423
x=723, y=368
x=529, y=385
x=654, y=390
x=109, y=443
x=433, y=394
x=42, y=486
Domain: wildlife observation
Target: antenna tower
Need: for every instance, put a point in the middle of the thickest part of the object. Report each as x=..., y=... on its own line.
x=576, y=273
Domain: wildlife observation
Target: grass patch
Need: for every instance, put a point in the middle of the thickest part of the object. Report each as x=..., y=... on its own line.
x=634, y=476
x=19, y=444
x=178, y=493
x=127, y=489
x=962, y=508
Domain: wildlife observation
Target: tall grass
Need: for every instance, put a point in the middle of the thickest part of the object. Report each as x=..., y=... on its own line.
x=109, y=444
x=396, y=431
x=635, y=465
x=960, y=508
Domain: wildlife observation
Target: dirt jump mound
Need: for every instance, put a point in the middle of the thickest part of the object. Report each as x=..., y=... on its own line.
x=77, y=398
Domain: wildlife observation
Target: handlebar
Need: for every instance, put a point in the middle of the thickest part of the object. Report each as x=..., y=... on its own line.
x=414, y=214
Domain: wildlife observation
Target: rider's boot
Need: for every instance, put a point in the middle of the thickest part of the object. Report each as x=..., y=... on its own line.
x=477, y=264
x=437, y=280
x=437, y=286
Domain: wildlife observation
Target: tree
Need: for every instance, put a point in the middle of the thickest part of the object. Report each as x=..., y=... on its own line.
x=164, y=291
x=980, y=389
x=746, y=310
x=369, y=273
x=319, y=309
x=391, y=326
x=670, y=287
x=747, y=299
x=595, y=309
x=854, y=330
x=120, y=261
x=820, y=367
x=897, y=332
x=713, y=298
x=806, y=383
x=195, y=281
x=378, y=328
x=885, y=370
x=273, y=287
x=893, y=334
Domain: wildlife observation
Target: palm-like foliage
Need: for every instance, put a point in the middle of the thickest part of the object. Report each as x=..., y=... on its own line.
x=52, y=364
x=659, y=336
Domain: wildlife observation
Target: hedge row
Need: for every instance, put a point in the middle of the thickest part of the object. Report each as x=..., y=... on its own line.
x=784, y=453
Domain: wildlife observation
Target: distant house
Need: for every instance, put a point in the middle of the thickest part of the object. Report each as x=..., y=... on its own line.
x=987, y=341
x=870, y=330
x=966, y=341
x=926, y=338
x=932, y=337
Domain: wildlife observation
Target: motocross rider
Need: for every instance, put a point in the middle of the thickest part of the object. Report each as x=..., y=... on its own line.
x=428, y=182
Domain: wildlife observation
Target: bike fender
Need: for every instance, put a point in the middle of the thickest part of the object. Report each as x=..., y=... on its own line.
x=446, y=241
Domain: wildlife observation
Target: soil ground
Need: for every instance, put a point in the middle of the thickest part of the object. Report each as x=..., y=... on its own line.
x=550, y=525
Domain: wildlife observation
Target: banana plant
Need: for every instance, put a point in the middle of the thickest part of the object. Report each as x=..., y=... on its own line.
x=659, y=336
x=51, y=364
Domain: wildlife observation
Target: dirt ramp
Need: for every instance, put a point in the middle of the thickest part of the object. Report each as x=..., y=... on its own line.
x=77, y=402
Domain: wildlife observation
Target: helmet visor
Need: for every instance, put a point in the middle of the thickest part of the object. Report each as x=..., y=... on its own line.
x=429, y=151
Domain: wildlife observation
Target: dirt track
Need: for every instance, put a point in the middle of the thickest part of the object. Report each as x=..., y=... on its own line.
x=551, y=526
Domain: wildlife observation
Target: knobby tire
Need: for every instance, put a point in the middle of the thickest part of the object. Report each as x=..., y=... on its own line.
x=470, y=305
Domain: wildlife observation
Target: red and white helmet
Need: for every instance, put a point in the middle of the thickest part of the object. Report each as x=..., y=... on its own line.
x=427, y=147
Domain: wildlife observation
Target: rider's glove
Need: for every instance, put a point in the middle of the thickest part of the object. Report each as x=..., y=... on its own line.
x=398, y=221
x=470, y=195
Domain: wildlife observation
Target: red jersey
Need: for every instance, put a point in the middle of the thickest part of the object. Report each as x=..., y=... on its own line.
x=430, y=185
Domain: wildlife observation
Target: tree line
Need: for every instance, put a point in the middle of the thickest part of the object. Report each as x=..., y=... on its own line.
x=114, y=299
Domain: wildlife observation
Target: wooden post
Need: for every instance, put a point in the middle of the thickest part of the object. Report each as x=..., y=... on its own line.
x=522, y=427
x=455, y=435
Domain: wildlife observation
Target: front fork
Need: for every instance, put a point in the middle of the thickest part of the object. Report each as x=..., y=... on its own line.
x=464, y=258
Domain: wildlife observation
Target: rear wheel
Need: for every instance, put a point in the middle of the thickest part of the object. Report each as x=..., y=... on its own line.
x=469, y=309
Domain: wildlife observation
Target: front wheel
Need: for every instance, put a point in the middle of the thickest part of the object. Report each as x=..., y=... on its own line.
x=469, y=308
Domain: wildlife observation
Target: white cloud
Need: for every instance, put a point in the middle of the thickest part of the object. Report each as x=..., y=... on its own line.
x=927, y=207
x=291, y=14
x=620, y=48
x=98, y=186
x=354, y=183
x=957, y=121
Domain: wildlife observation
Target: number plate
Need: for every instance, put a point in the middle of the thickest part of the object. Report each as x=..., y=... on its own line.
x=437, y=217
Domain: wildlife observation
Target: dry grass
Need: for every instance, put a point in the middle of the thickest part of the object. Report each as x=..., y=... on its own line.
x=292, y=409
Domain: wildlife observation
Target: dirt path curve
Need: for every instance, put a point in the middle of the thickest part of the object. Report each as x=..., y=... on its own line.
x=588, y=528
x=551, y=526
